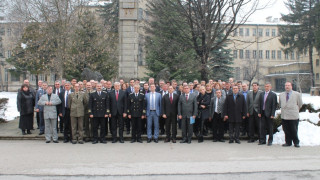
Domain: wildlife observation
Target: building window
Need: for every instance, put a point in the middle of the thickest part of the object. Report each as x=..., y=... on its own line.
x=52, y=77
x=9, y=54
x=254, y=54
x=6, y=75
x=279, y=54
x=273, y=32
x=2, y=31
x=273, y=54
x=317, y=76
x=237, y=73
x=286, y=55
x=267, y=32
x=317, y=62
x=235, y=32
x=9, y=32
x=235, y=54
x=267, y=54
x=241, y=31
x=247, y=54
x=292, y=55
x=140, y=14
x=298, y=56
x=241, y=54
x=15, y=76
x=254, y=32
x=260, y=32
x=247, y=32
x=260, y=54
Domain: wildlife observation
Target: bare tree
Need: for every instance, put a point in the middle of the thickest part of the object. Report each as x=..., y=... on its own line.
x=251, y=70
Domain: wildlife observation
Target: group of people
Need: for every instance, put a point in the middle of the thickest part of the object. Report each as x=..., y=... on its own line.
x=80, y=110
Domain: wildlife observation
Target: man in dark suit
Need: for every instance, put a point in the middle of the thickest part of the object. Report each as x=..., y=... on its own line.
x=57, y=90
x=163, y=92
x=145, y=90
x=118, y=111
x=228, y=88
x=187, y=107
x=216, y=115
x=136, y=112
x=98, y=109
x=235, y=109
x=268, y=105
x=253, y=104
x=64, y=111
x=169, y=113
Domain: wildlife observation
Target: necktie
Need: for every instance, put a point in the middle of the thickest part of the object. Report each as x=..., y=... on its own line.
x=77, y=96
x=136, y=95
x=287, y=98
x=187, y=97
x=67, y=99
x=265, y=98
x=117, y=95
x=152, y=102
x=171, y=98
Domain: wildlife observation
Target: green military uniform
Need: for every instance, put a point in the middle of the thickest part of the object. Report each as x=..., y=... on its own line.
x=87, y=123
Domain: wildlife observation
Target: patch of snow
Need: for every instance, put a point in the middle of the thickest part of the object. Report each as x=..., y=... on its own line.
x=12, y=112
x=314, y=100
x=313, y=117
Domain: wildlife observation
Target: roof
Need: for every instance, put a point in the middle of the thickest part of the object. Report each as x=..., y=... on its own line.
x=286, y=74
x=288, y=64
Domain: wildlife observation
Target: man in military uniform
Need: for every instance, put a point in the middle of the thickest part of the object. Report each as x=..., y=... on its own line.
x=136, y=112
x=76, y=102
x=87, y=122
x=98, y=109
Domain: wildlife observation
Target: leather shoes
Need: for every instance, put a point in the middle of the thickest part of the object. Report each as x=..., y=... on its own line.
x=128, y=132
x=167, y=140
x=41, y=133
x=74, y=142
x=80, y=142
x=174, y=141
x=221, y=140
x=183, y=141
x=56, y=141
x=156, y=140
x=269, y=143
x=286, y=145
x=133, y=140
x=200, y=140
x=238, y=141
x=114, y=140
x=139, y=140
x=65, y=141
x=215, y=140
x=94, y=142
x=121, y=141
x=23, y=133
x=297, y=145
x=103, y=142
x=29, y=132
x=189, y=141
x=47, y=141
x=262, y=143
x=149, y=141
x=230, y=141
x=251, y=141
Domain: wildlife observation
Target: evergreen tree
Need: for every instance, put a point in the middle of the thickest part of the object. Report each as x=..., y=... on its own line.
x=300, y=33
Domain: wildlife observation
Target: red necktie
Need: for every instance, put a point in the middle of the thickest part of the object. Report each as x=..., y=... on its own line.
x=171, y=98
x=117, y=95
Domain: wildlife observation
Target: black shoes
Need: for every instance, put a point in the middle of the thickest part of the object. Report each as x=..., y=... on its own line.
x=221, y=140
x=24, y=133
x=189, y=141
x=238, y=141
x=74, y=142
x=286, y=145
x=114, y=140
x=156, y=140
x=269, y=143
x=94, y=142
x=251, y=141
x=183, y=141
x=230, y=141
x=41, y=133
x=29, y=132
x=65, y=141
x=103, y=142
x=200, y=140
x=174, y=141
x=56, y=141
x=139, y=141
x=47, y=141
x=121, y=141
x=149, y=141
x=133, y=140
x=167, y=140
x=297, y=145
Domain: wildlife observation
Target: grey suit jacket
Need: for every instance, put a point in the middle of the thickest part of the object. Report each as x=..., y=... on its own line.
x=253, y=104
x=213, y=105
x=189, y=108
x=49, y=112
x=290, y=109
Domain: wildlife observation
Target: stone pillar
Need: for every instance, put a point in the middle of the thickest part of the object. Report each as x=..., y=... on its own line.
x=128, y=39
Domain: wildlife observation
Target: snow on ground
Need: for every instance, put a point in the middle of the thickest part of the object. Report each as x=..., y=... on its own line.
x=313, y=117
x=314, y=100
x=11, y=112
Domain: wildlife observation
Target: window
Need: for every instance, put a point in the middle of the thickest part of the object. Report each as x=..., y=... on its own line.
x=2, y=31
x=33, y=78
x=9, y=54
x=241, y=31
x=267, y=32
x=254, y=54
x=260, y=54
x=247, y=54
x=235, y=32
x=260, y=32
x=235, y=54
x=6, y=75
x=52, y=77
x=267, y=54
x=237, y=73
x=247, y=32
x=298, y=56
x=9, y=32
x=273, y=32
x=273, y=54
x=140, y=14
x=15, y=76
x=254, y=32
x=241, y=54
x=292, y=55
x=286, y=55
x=317, y=76
x=317, y=62
x=279, y=54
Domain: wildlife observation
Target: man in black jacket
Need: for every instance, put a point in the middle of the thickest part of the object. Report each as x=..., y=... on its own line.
x=118, y=111
x=268, y=104
x=98, y=109
x=169, y=113
x=136, y=112
x=235, y=109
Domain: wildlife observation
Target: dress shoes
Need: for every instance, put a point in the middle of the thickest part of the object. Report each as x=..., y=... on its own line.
x=80, y=142
x=183, y=141
x=41, y=133
x=65, y=141
x=149, y=141
x=230, y=141
x=221, y=140
x=215, y=140
x=24, y=133
x=297, y=145
x=29, y=132
x=86, y=139
x=121, y=141
x=74, y=142
x=174, y=141
x=133, y=140
x=128, y=132
x=269, y=143
x=139, y=141
x=189, y=141
x=56, y=141
x=114, y=140
x=251, y=141
x=238, y=141
x=48, y=141
x=286, y=145
x=200, y=140
x=94, y=142
x=156, y=140
x=167, y=140
x=262, y=143
x=103, y=142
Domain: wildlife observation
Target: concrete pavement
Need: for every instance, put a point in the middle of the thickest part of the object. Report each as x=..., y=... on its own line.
x=36, y=159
